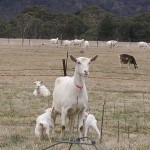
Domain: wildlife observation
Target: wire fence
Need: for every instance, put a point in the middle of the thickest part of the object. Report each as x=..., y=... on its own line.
x=77, y=142
x=124, y=111
x=39, y=42
x=21, y=72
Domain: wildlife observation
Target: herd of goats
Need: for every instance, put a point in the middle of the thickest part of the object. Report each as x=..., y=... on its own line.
x=70, y=98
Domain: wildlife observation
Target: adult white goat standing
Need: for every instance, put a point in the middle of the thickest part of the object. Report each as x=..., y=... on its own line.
x=41, y=90
x=67, y=43
x=111, y=43
x=45, y=123
x=78, y=42
x=143, y=44
x=70, y=96
x=54, y=41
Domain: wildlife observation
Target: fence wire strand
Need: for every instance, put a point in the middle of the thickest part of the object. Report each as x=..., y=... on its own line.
x=75, y=142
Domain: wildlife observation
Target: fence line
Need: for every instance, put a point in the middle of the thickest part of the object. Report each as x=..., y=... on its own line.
x=75, y=142
x=121, y=126
x=40, y=42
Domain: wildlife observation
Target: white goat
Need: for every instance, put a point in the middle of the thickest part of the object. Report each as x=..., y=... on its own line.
x=90, y=121
x=41, y=90
x=44, y=124
x=70, y=96
x=54, y=41
x=143, y=44
x=67, y=43
x=78, y=42
x=85, y=46
x=111, y=43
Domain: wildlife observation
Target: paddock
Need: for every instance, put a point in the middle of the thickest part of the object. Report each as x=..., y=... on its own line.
x=118, y=96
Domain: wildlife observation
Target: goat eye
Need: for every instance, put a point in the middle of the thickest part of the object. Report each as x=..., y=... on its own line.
x=89, y=62
x=79, y=63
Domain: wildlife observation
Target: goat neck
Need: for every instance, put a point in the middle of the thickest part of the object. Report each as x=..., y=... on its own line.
x=38, y=90
x=79, y=80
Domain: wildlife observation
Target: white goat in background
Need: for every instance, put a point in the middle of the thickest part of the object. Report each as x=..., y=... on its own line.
x=67, y=43
x=143, y=45
x=78, y=42
x=70, y=95
x=111, y=44
x=54, y=41
x=41, y=90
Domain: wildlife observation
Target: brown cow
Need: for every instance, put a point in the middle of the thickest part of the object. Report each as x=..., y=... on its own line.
x=127, y=59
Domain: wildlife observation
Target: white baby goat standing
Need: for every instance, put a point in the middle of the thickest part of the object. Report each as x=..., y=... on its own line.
x=90, y=121
x=40, y=90
x=44, y=123
x=70, y=95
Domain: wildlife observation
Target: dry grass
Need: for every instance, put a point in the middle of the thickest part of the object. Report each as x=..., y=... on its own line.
x=126, y=92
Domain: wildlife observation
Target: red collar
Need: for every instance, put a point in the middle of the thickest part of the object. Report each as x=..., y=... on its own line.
x=78, y=86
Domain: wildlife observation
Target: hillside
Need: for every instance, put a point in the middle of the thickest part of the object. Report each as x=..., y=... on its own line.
x=11, y=8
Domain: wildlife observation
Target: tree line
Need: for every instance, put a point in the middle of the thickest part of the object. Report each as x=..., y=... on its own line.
x=92, y=23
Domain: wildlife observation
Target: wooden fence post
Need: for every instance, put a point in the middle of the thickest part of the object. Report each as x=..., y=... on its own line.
x=103, y=111
x=118, y=133
x=64, y=67
x=8, y=39
x=29, y=41
x=67, y=60
x=97, y=41
x=128, y=132
x=61, y=39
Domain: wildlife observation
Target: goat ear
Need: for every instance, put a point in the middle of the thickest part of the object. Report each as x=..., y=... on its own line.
x=94, y=58
x=35, y=82
x=73, y=58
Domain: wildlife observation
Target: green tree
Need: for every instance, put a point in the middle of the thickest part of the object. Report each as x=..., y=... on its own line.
x=125, y=30
x=75, y=27
x=3, y=28
x=23, y=23
x=106, y=28
x=37, y=12
x=35, y=29
x=49, y=30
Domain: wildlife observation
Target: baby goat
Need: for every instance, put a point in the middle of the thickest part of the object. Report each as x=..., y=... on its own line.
x=44, y=123
x=90, y=121
x=40, y=90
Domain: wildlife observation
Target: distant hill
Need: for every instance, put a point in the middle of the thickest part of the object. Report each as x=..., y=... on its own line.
x=11, y=8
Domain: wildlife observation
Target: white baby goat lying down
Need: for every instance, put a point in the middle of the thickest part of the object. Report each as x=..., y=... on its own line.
x=90, y=121
x=44, y=124
x=41, y=90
